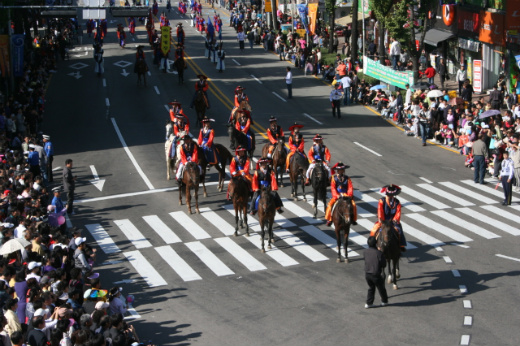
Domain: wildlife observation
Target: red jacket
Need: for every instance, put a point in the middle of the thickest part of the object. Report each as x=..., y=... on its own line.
x=234, y=168
x=293, y=147
x=177, y=129
x=256, y=183
x=381, y=210
x=194, y=155
x=204, y=85
x=326, y=154
x=244, y=130
x=338, y=190
x=209, y=143
x=430, y=72
x=273, y=137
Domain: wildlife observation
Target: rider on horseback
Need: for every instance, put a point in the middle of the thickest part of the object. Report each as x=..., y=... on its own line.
x=206, y=135
x=139, y=56
x=274, y=133
x=201, y=84
x=390, y=209
x=121, y=35
x=175, y=111
x=296, y=143
x=179, y=52
x=243, y=125
x=318, y=152
x=240, y=96
x=180, y=128
x=263, y=178
x=239, y=165
x=340, y=185
x=188, y=153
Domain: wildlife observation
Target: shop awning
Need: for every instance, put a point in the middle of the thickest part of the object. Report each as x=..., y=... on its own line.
x=344, y=21
x=434, y=36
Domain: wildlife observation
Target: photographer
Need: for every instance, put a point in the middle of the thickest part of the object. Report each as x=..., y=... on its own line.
x=120, y=329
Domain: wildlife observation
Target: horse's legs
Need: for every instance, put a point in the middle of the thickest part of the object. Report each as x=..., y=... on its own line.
x=168, y=168
x=197, y=196
x=394, y=274
x=345, y=246
x=303, y=187
x=315, y=203
x=180, y=193
x=262, y=225
x=203, y=180
x=271, y=237
x=188, y=197
x=244, y=215
x=337, y=230
x=324, y=202
x=236, y=219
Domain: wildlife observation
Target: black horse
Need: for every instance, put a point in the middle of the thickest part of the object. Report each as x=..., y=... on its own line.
x=388, y=242
x=319, y=179
x=238, y=138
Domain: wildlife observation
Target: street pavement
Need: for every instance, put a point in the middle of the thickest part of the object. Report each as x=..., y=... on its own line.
x=195, y=283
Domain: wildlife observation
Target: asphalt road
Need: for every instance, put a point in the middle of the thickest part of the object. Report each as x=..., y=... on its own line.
x=195, y=284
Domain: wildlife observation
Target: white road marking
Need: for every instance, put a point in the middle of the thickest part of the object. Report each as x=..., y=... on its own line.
x=258, y=80
x=236, y=62
x=240, y=254
x=423, y=198
x=302, y=213
x=176, y=262
x=455, y=273
x=145, y=269
x=191, y=226
x=107, y=263
x=425, y=238
x=107, y=102
x=281, y=98
x=162, y=229
x=490, y=221
x=464, y=340
x=368, y=225
x=507, y=257
x=104, y=82
x=330, y=242
x=213, y=262
x=489, y=189
x=132, y=158
x=133, y=234
x=461, y=245
x=57, y=169
x=217, y=221
x=157, y=90
x=467, y=304
x=459, y=237
x=167, y=108
x=300, y=245
x=467, y=192
x=426, y=180
x=447, y=259
x=149, y=73
x=313, y=119
x=275, y=253
x=102, y=238
x=404, y=203
x=505, y=214
x=463, y=289
x=446, y=195
x=468, y=320
x=366, y=198
x=367, y=149
x=464, y=224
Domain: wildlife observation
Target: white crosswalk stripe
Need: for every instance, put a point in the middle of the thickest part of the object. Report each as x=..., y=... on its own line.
x=464, y=224
x=209, y=259
x=503, y=213
x=275, y=253
x=424, y=198
x=221, y=224
x=368, y=225
x=189, y=225
x=176, y=262
x=102, y=238
x=423, y=237
x=366, y=198
x=162, y=229
x=299, y=245
x=302, y=213
x=445, y=194
x=240, y=254
x=133, y=234
x=459, y=237
x=487, y=188
x=325, y=239
x=145, y=269
x=467, y=192
x=477, y=215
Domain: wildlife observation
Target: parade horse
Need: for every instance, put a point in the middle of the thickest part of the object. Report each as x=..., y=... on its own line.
x=279, y=158
x=297, y=169
x=266, y=213
x=388, y=243
x=180, y=65
x=239, y=194
x=224, y=158
x=319, y=177
x=171, y=160
x=141, y=68
x=190, y=180
x=243, y=106
x=201, y=104
x=341, y=219
x=238, y=138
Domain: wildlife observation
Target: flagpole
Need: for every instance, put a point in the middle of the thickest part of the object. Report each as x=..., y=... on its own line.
x=364, y=32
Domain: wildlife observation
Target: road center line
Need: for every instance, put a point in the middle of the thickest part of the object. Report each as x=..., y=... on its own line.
x=281, y=98
x=107, y=102
x=157, y=90
x=258, y=80
x=313, y=119
x=507, y=257
x=368, y=149
x=132, y=158
x=104, y=82
x=236, y=62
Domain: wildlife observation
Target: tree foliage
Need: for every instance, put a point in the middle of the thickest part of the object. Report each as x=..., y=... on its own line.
x=330, y=7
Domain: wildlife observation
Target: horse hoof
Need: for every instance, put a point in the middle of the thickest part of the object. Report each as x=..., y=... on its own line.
x=269, y=247
x=292, y=194
x=236, y=234
x=346, y=260
x=395, y=287
x=338, y=260
x=305, y=199
x=398, y=276
x=272, y=241
x=263, y=250
x=389, y=279
x=247, y=234
x=198, y=211
x=314, y=206
x=205, y=194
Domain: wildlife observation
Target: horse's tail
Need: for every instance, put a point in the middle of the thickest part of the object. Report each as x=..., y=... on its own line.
x=225, y=154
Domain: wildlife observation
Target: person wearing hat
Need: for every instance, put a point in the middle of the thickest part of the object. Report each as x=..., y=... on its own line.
x=389, y=208
x=121, y=35
x=221, y=56
x=274, y=134
x=34, y=161
x=265, y=178
x=240, y=96
x=48, y=148
x=202, y=84
x=507, y=177
x=116, y=304
x=243, y=125
x=205, y=141
x=69, y=184
x=240, y=164
x=296, y=144
x=176, y=109
x=139, y=56
x=335, y=99
x=188, y=152
x=318, y=152
x=80, y=259
x=180, y=127
x=341, y=186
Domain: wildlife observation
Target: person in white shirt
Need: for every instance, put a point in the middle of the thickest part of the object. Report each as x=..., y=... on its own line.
x=241, y=38
x=335, y=99
x=395, y=52
x=461, y=77
x=288, y=82
x=346, y=83
x=408, y=97
x=507, y=177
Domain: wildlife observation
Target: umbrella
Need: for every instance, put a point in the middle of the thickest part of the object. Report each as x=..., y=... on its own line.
x=435, y=93
x=378, y=87
x=489, y=113
x=421, y=85
x=13, y=245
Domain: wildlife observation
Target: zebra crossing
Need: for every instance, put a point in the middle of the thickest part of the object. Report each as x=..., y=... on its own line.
x=433, y=215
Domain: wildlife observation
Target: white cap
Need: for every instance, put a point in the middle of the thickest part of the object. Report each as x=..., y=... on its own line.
x=101, y=305
x=40, y=312
x=80, y=241
x=46, y=137
x=33, y=265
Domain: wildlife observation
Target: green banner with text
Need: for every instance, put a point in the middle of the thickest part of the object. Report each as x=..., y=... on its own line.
x=386, y=74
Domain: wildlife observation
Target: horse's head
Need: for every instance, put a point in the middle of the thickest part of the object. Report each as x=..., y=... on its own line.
x=387, y=232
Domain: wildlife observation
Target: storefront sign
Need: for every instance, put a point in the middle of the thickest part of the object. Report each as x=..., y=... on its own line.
x=469, y=45
x=445, y=18
x=468, y=24
x=492, y=28
x=513, y=15
x=387, y=74
x=17, y=42
x=477, y=76
x=268, y=7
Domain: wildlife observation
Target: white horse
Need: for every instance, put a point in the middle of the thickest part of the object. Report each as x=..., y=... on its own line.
x=171, y=162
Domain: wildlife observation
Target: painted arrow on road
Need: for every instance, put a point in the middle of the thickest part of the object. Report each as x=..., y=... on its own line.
x=98, y=183
x=76, y=75
x=125, y=73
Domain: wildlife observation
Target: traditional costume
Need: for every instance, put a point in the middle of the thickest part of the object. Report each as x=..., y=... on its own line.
x=389, y=208
x=265, y=178
x=296, y=143
x=274, y=133
x=201, y=84
x=318, y=152
x=188, y=153
x=340, y=186
x=205, y=141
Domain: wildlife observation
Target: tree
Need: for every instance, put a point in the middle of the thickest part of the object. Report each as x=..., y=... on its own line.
x=330, y=7
x=381, y=9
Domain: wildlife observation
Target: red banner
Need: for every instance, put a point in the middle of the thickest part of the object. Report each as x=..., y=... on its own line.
x=313, y=12
x=492, y=28
x=5, y=68
x=513, y=15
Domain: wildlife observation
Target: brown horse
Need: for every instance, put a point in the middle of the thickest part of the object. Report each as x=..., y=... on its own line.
x=180, y=66
x=266, y=213
x=224, y=157
x=201, y=104
x=141, y=68
x=388, y=242
x=239, y=193
x=279, y=158
x=238, y=138
x=319, y=186
x=190, y=180
x=297, y=169
x=244, y=106
x=341, y=217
